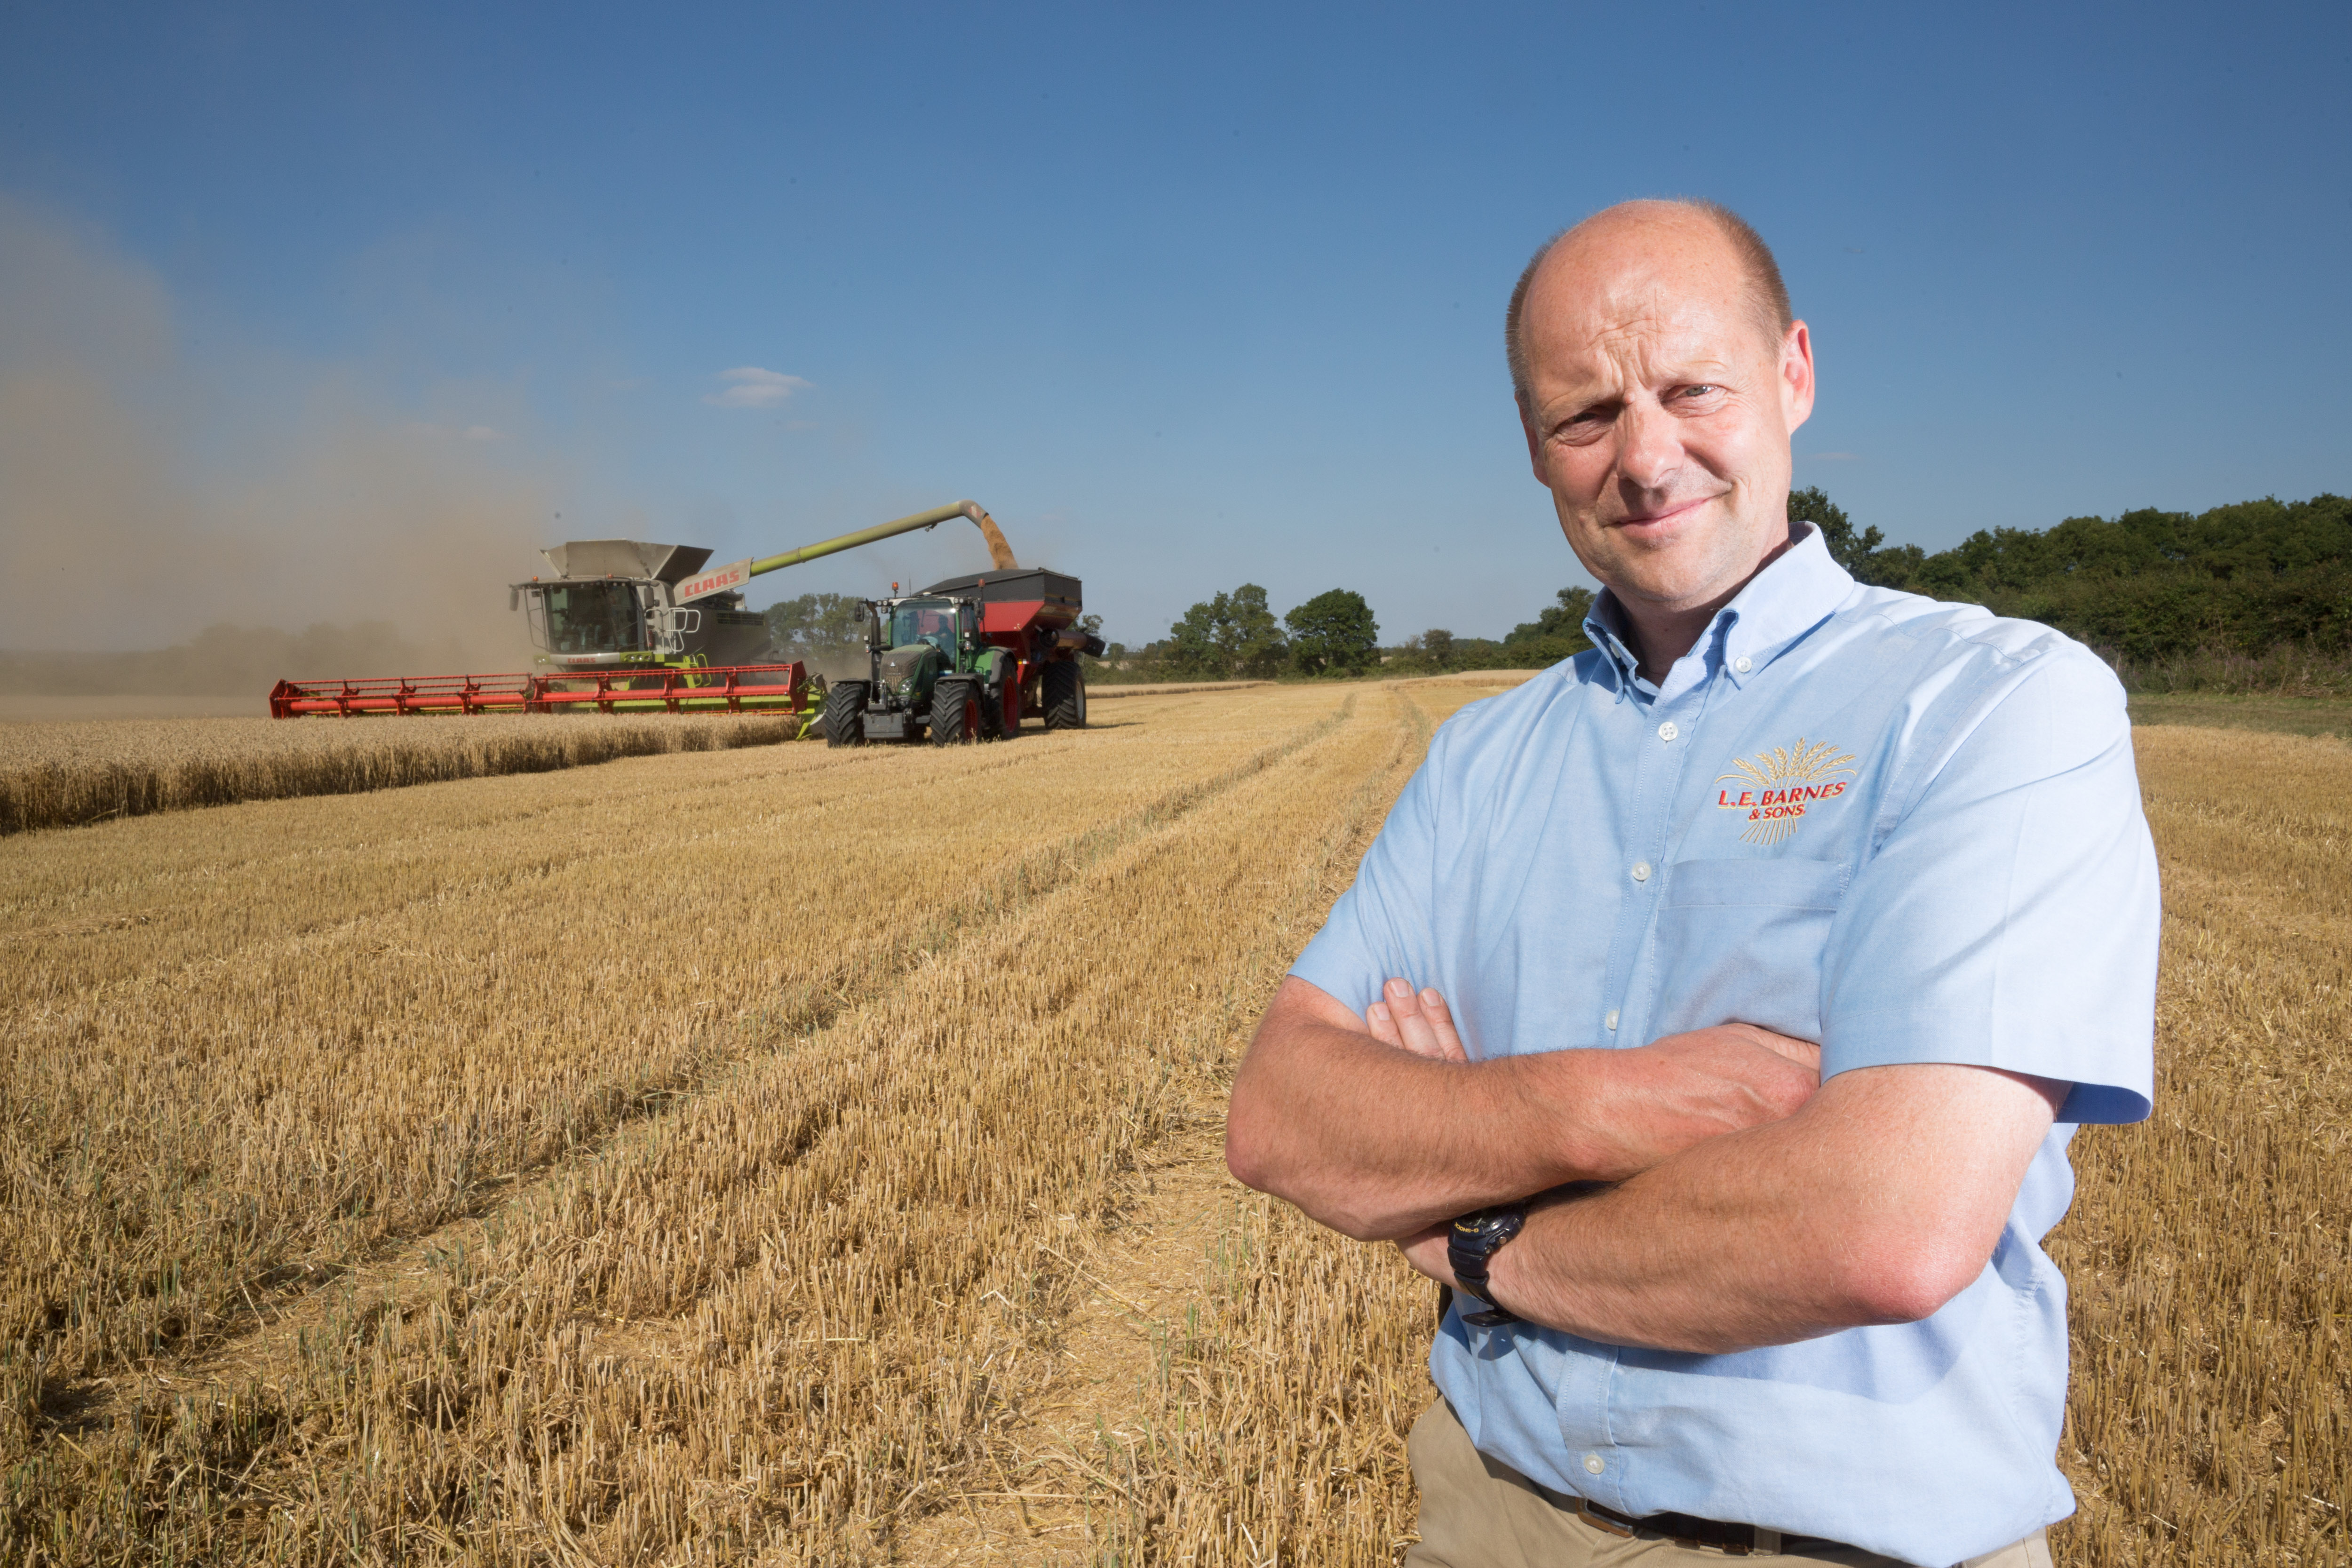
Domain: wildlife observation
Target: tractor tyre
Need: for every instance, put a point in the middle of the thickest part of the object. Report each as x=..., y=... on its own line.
x=1065, y=695
x=955, y=713
x=845, y=713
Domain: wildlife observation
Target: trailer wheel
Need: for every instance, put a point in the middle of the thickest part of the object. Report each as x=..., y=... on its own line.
x=1066, y=695
x=845, y=713
x=955, y=713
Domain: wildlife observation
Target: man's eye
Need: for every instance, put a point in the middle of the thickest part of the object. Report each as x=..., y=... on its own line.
x=1705, y=389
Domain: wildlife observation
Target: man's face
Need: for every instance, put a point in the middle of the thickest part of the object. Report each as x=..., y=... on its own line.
x=1659, y=408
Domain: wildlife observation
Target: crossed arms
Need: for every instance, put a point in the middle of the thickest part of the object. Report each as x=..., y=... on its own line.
x=1749, y=1204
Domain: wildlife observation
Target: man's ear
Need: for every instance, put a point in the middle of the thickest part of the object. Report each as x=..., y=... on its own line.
x=1797, y=376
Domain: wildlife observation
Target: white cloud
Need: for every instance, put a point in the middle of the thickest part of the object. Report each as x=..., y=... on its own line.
x=748, y=386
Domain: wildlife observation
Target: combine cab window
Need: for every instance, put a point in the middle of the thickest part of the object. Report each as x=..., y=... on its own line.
x=593, y=617
x=925, y=620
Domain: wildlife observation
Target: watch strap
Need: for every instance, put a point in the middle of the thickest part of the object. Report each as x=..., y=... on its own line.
x=1474, y=1239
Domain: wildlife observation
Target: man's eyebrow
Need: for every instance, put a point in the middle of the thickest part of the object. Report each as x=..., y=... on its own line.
x=1572, y=405
x=1698, y=370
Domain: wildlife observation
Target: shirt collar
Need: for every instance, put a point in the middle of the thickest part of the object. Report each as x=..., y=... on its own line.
x=1787, y=599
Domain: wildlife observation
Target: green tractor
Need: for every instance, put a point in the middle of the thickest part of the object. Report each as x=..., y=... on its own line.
x=968, y=659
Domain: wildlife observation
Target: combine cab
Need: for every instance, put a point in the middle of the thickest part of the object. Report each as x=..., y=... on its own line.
x=967, y=660
x=617, y=603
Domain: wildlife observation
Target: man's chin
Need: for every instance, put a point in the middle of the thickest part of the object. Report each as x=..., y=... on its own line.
x=1667, y=581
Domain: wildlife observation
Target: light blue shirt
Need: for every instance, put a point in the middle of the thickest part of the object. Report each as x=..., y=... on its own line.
x=1909, y=830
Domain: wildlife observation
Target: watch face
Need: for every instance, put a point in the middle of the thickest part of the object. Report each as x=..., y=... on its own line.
x=1488, y=1228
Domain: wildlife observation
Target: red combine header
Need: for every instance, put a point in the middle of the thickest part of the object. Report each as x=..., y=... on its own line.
x=734, y=689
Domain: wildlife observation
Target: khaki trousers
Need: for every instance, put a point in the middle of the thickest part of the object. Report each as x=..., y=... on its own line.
x=1476, y=1513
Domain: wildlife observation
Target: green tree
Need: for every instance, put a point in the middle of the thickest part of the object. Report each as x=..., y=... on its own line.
x=1813, y=505
x=1231, y=636
x=817, y=626
x=1561, y=622
x=1437, y=646
x=1857, y=552
x=1334, y=633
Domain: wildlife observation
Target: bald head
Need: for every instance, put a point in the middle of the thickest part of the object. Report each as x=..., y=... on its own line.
x=1657, y=389
x=1667, y=225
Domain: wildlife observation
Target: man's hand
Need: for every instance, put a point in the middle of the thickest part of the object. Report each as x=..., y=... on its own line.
x=1426, y=1250
x=1381, y=1127
x=1685, y=1089
x=1419, y=1022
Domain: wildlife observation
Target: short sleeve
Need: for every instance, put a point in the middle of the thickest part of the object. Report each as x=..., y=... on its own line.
x=1380, y=926
x=2009, y=918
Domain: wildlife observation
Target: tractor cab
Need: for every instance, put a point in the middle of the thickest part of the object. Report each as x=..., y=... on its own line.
x=941, y=624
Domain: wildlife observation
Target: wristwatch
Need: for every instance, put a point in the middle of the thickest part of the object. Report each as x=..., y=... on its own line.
x=1475, y=1238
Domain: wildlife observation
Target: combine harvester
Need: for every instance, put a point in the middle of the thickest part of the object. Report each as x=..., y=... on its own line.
x=629, y=627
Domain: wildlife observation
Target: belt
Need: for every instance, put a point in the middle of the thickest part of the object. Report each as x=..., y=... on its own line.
x=1733, y=1539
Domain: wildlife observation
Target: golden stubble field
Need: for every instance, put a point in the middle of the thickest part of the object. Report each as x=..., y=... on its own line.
x=70, y=774
x=789, y=1156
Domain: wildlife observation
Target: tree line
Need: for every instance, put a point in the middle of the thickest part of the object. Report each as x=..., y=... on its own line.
x=1236, y=636
x=2254, y=580
x=2169, y=597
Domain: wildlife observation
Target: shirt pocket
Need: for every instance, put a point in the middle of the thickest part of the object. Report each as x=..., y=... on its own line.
x=1740, y=941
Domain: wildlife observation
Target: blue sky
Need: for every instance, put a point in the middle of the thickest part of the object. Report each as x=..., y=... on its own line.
x=1186, y=295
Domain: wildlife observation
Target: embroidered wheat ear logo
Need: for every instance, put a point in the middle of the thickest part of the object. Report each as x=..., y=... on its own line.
x=1781, y=784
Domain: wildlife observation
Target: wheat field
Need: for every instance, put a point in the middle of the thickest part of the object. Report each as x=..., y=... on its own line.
x=79, y=772
x=794, y=1156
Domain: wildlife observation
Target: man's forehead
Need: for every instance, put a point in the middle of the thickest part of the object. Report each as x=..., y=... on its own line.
x=1666, y=291
x=1648, y=333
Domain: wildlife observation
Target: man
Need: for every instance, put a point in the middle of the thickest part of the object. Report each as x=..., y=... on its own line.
x=1712, y=1011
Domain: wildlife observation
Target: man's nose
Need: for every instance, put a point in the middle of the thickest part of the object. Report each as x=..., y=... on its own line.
x=1649, y=448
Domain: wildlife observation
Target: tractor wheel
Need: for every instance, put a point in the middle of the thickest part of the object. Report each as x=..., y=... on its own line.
x=1002, y=714
x=955, y=713
x=845, y=713
x=1065, y=696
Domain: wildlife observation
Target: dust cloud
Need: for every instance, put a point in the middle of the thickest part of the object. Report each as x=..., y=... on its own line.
x=171, y=524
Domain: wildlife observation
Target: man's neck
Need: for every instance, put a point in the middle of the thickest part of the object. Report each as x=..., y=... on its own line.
x=1658, y=640
x=1659, y=635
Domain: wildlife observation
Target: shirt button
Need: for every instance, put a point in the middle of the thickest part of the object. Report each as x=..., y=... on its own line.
x=1641, y=870
x=1595, y=1464
x=1743, y=663
x=1666, y=732
x=1612, y=1020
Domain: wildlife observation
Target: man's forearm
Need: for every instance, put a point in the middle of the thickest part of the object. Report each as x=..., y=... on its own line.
x=1875, y=1204
x=1378, y=1142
